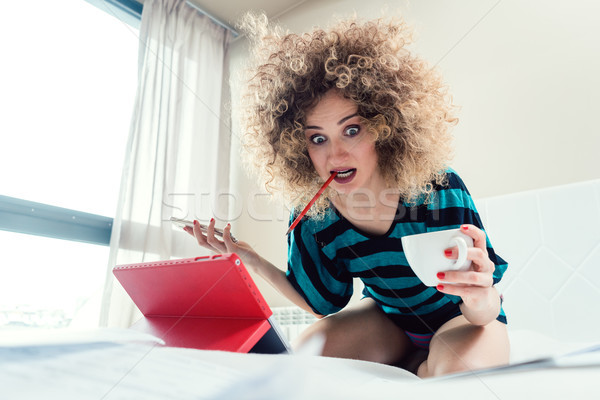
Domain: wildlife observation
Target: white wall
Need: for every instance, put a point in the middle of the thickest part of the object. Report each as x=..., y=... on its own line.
x=525, y=74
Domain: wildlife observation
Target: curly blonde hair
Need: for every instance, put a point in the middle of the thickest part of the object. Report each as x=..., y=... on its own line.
x=401, y=101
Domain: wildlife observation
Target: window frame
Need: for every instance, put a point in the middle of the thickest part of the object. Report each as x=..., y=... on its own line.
x=40, y=219
x=128, y=11
x=32, y=218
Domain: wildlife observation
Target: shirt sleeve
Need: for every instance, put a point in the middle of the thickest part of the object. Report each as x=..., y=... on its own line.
x=453, y=206
x=325, y=286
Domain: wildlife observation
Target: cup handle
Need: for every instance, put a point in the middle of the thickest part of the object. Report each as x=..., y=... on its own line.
x=462, y=252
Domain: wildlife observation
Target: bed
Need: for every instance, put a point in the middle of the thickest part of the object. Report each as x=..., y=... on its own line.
x=124, y=364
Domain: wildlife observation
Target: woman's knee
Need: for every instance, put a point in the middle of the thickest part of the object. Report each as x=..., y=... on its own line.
x=466, y=347
x=358, y=333
x=324, y=328
x=449, y=365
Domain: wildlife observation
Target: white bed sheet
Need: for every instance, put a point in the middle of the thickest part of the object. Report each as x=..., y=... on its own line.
x=136, y=368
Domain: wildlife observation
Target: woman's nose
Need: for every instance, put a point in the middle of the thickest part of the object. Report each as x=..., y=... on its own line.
x=338, y=150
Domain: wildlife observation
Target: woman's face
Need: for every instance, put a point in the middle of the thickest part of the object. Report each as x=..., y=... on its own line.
x=338, y=142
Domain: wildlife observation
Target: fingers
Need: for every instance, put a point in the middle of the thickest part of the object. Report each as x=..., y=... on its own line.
x=207, y=238
x=474, y=284
x=482, y=268
x=479, y=237
x=481, y=272
x=480, y=258
x=200, y=237
x=472, y=278
x=227, y=238
x=466, y=292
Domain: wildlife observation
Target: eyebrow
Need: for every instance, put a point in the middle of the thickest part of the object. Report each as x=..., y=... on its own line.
x=341, y=121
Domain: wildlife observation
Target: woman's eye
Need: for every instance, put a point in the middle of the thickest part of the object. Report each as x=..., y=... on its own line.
x=352, y=130
x=317, y=139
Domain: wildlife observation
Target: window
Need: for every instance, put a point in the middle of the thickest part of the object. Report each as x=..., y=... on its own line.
x=67, y=95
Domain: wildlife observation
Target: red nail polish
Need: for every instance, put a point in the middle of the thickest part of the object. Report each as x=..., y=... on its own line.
x=465, y=227
x=448, y=252
x=441, y=275
x=195, y=222
x=440, y=287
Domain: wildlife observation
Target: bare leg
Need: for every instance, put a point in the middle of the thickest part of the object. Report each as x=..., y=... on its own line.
x=361, y=332
x=461, y=346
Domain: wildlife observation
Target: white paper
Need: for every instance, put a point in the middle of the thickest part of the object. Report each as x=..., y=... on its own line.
x=90, y=368
x=108, y=371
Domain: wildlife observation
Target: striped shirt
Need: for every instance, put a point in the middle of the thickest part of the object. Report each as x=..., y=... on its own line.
x=324, y=255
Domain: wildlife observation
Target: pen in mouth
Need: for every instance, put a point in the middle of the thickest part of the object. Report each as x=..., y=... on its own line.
x=310, y=203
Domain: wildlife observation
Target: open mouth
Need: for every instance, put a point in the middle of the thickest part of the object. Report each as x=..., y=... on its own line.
x=345, y=175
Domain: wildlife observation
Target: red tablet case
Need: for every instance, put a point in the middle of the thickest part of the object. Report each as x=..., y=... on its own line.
x=208, y=303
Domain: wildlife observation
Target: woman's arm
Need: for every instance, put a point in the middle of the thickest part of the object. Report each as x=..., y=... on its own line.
x=276, y=278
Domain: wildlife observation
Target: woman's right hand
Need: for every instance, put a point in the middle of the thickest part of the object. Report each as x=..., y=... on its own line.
x=249, y=257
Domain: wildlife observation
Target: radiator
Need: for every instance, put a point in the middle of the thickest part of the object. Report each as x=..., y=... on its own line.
x=292, y=320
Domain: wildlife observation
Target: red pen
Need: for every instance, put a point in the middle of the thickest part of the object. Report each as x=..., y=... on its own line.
x=310, y=203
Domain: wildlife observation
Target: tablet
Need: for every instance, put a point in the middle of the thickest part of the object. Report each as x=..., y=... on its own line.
x=208, y=303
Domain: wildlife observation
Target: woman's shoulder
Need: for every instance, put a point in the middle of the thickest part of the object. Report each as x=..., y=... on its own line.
x=452, y=181
x=453, y=193
x=451, y=184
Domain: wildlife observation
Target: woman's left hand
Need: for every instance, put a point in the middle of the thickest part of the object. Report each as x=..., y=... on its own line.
x=474, y=286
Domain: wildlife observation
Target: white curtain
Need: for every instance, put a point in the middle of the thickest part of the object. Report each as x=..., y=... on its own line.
x=177, y=161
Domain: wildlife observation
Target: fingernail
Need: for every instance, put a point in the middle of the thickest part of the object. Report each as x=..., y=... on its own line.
x=212, y=220
x=440, y=287
x=228, y=225
x=195, y=222
x=465, y=228
x=448, y=252
x=441, y=275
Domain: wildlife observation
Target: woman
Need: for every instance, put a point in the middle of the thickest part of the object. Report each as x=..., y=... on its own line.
x=354, y=101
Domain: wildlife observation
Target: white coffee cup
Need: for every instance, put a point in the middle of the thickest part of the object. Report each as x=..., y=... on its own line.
x=425, y=253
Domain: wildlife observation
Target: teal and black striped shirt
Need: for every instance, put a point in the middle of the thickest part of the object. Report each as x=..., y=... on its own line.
x=324, y=255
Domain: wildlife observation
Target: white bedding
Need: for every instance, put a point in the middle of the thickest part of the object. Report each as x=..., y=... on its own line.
x=105, y=368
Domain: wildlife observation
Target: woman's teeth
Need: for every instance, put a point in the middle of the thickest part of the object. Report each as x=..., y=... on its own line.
x=345, y=174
